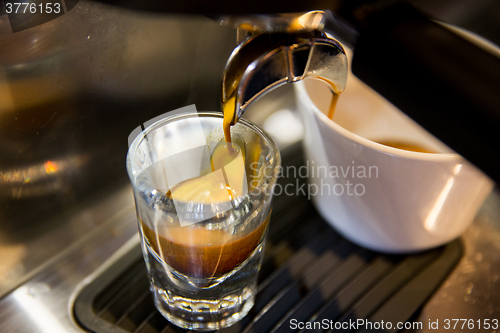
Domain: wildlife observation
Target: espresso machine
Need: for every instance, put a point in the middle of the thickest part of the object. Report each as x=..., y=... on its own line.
x=73, y=89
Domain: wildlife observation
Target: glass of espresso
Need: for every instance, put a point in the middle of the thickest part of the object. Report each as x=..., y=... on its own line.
x=203, y=207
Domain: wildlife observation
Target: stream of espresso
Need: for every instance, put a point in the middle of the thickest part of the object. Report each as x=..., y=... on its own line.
x=391, y=143
x=333, y=105
x=335, y=96
x=229, y=110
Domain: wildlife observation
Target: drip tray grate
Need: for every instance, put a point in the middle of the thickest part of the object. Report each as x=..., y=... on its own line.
x=309, y=274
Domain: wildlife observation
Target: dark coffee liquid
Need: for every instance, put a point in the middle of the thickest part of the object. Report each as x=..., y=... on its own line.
x=406, y=146
x=201, y=253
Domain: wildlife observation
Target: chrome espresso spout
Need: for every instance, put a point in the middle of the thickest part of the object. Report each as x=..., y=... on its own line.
x=266, y=60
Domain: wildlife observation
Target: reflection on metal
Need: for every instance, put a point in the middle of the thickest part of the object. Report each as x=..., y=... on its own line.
x=249, y=25
x=11, y=265
x=40, y=179
x=41, y=316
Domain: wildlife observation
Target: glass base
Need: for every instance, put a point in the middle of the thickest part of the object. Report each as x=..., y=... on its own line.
x=203, y=314
x=203, y=305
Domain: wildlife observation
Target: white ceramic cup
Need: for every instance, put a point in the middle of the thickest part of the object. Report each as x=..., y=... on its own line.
x=399, y=200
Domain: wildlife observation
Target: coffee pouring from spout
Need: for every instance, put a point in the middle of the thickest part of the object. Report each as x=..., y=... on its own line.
x=276, y=50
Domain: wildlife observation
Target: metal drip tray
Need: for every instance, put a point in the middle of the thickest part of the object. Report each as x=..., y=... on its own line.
x=309, y=274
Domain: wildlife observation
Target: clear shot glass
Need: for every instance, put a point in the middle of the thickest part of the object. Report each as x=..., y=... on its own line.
x=203, y=209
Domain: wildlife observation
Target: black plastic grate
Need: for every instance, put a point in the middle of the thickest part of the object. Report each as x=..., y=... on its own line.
x=309, y=273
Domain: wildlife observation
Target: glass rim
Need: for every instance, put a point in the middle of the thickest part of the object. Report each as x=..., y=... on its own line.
x=211, y=114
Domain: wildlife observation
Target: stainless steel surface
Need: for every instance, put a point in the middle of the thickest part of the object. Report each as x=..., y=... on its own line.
x=249, y=25
x=71, y=91
x=472, y=291
x=43, y=304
